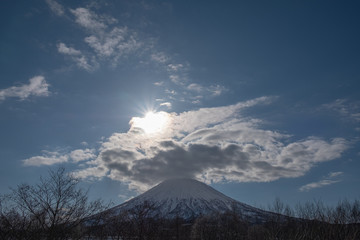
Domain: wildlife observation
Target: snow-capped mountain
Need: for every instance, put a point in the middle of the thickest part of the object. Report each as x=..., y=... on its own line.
x=188, y=199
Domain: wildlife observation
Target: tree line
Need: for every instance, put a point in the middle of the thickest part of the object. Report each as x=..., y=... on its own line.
x=57, y=208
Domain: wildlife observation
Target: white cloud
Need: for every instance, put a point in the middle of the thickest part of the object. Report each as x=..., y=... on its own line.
x=82, y=154
x=318, y=184
x=178, y=73
x=346, y=108
x=110, y=44
x=325, y=182
x=92, y=172
x=115, y=43
x=167, y=104
x=55, y=7
x=159, y=83
x=88, y=19
x=175, y=67
x=211, y=144
x=170, y=91
x=107, y=43
x=195, y=87
x=76, y=56
x=37, y=87
x=62, y=48
x=49, y=158
x=335, y=174
x=160, y=57
x=84, y=63
x=176, y=79
x=217, y=90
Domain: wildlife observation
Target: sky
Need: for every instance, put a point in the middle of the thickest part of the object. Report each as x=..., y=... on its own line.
x=259, y=99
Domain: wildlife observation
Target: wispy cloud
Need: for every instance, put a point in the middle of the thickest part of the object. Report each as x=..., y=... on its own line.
x=62, y=48
x=216, y=90
x=195, y=87
x=328, y=180
x=37, y=86
x=167, y=104
x=347, y=109
x=48, y=158
x=117, y=42
x=54, y=157
x=211, y=144
x=178, y=76
x=55, y=7
x=88, y=19
x=75, y=55
x=160, y=57
x=159, y=83
x=82, y=154
x=109, y=42
x=178, y=73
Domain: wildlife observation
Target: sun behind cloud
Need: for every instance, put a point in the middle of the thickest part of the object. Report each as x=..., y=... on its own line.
x=152, y=122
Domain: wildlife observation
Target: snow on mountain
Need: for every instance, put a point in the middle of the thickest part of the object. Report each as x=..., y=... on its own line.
x=188, y=199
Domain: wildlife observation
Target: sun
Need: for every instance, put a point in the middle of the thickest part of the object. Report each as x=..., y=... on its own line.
x=152, y=122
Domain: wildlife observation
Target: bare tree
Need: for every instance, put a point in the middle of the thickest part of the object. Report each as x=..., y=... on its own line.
x=142, y=220
x=56, y=207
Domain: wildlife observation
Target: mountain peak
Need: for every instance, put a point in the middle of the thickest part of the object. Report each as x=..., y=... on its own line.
x=183, y=188
x=188, y=199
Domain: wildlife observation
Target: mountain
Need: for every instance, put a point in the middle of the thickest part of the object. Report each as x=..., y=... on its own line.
x=188, y=199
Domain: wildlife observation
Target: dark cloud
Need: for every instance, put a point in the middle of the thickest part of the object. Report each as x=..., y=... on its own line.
x=210, y=144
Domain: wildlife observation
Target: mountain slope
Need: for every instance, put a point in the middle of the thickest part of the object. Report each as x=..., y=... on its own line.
x=188, y=199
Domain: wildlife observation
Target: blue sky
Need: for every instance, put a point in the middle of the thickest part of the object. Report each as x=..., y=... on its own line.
x=259, y=99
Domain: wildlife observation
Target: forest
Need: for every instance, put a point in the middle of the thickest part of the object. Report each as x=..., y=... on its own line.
x=57, y=208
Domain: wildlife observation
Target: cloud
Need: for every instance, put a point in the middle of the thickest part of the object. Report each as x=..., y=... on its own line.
x=347, y=109
x=62, y=48
x=55, y=7
x=37, y=87
x=318, y=184
x=178, y=73
x=110, y=43
x=84, y=63
x=167, y=104
x=325, y=182
x=76, y=56
x=160, y=57
x=116, y=43
x=82, y=154
x=335, y=174
x=107, y=43
x=210, y=144
x=50, y=158
x=195, y=87
x=88, y=19
x=216, y=90
x=159, y=83
x=175, y=67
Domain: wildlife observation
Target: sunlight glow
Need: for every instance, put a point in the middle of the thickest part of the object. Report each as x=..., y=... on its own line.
x=152, y=122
